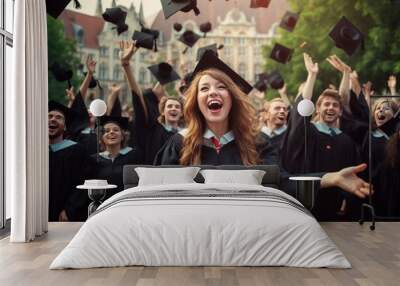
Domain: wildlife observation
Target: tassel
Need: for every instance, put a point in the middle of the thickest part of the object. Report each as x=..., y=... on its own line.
x=185, y=50
x=155, y=46
x=77, y=4
x=196, y=11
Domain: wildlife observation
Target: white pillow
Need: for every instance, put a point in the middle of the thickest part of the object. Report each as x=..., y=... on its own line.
x=248, y=177
x=163, y=176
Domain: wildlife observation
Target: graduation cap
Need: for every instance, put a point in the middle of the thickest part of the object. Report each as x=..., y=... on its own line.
x=261, y=84
x=61, y=73
x=201, y=51
x=122, y=122
x=289, y=21
x=205, y=28
x=55, y=7
x=209, y=61
x=346, y=36
x=259, y=3
x=189, y=38
x=117, y=17
x=185, y=82
x=164, y=73
x=93, y=82
x=154, y=34
x=170, y=7
x=177, y=27
x=143, y=40
x=275, y=80
x=281, y=53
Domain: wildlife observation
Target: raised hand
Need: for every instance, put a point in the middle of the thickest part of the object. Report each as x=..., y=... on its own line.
x=90, y=64
x=312, y=68
x=70, y=95
x=115, y=88
x=338, y=64
x=128, y=49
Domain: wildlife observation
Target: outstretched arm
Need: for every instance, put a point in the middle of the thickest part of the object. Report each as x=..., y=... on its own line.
x=114, y=93
x=344, y=89
x=91, y=68
x=128, y=49
x=312, y=69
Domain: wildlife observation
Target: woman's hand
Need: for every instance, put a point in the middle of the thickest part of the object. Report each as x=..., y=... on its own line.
x=90, y=65
x=338, y=64
x=128, y=49
x=312, y=68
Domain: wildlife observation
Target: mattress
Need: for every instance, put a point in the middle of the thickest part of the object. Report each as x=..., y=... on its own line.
x=201, y=225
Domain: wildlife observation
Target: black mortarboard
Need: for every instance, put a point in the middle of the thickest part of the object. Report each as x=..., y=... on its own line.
x=93, y=82
x=61, y=73
x=177, y=27
x=209, y=61
x=289, y=21
x=346, y=36
x=170, y=7
x=119, y=120
x=259, y=3
x=154, y=33
x=143, y=40
x=275, y=80
x=55, y=7
x=261, y=83
x=281, y=53
x=205, y=28
x=189, y=38
x=164, y=73
x=117, y=17
x=201, y=51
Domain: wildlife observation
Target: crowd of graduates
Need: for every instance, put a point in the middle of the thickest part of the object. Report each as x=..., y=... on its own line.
x=213, y=122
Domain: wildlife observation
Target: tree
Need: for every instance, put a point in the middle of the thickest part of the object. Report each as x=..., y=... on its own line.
x=377, y=20
x=63, y=51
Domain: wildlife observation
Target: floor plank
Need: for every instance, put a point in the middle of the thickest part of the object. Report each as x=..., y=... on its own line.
x=374, y=255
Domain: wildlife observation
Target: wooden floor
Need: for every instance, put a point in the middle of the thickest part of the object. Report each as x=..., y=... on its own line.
x=375, y=256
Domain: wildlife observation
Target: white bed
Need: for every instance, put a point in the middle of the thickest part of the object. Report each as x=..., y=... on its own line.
x=201, y=225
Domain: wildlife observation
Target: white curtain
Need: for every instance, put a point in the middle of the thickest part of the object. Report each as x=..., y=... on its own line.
x=26, y=123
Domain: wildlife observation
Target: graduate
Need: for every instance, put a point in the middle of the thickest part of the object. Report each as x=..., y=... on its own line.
x=84, y=122
x=67, y=169
x=110, y=162
x=275, y=120
x=221, y=122
x=152, y=129
x=328, y=148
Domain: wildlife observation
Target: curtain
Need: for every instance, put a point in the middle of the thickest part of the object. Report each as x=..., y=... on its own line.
x=26, y=123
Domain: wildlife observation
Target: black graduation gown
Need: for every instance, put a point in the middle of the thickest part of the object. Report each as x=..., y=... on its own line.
x=80, y=118
x=68, y=169
x=112, y=170
x=150, y=135
x=275, y=142
x=87, y=140
x=326, y=153
x=228, y=155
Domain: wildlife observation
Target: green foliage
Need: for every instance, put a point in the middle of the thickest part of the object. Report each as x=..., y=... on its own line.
x=379, y=22
x=63, y=51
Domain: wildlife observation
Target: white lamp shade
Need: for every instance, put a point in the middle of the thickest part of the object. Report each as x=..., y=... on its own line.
x=306, y=107
x=98, y=107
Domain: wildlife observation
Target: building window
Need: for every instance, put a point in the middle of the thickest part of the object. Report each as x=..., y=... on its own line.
x=242, y=70
x=257, y=51
x=103, y=51
x=258, y=69
x=227, y=41
x=103, y=71
x=117, y=72
x=242, y=41
x=242, y=51
x=227, y=52
x=142, y=76
x=116, y=54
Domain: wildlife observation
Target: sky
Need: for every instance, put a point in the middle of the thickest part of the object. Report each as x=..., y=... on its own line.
x=150, y=7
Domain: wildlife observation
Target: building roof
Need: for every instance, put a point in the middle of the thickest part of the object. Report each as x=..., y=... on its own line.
x=211, y=10
x=91, y=25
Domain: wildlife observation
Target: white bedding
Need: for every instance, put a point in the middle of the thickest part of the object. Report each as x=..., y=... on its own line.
x=185, y=230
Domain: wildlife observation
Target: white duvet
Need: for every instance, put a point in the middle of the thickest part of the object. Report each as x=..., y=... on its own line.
x=207, y=230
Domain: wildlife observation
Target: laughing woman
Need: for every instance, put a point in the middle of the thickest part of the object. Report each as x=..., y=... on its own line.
x=221, y=122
